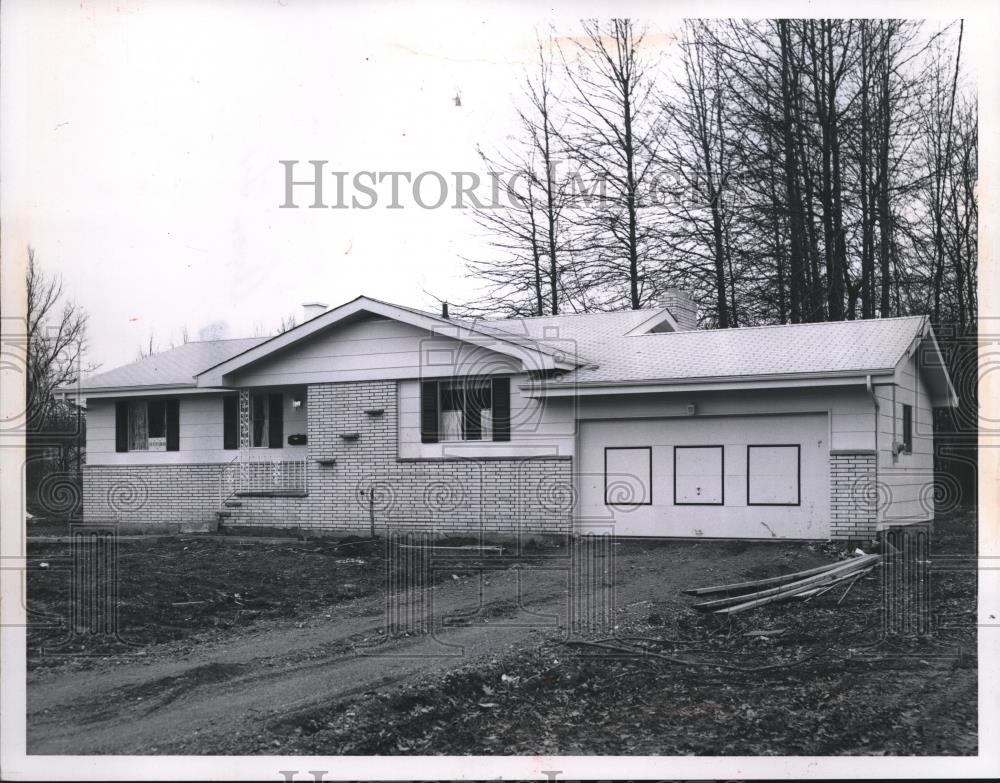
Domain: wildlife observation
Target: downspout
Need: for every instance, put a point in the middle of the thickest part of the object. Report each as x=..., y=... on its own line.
x=871, y=391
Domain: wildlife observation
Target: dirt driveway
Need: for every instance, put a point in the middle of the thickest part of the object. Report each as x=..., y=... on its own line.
x=254, y=648
x=200, y=696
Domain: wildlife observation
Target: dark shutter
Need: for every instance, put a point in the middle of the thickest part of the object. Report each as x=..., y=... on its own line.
x=230, y=422
x=908, y=428
x=429, y=412
x=121, y=425
x=276, y=427
x=173, y=425
x=501, y=409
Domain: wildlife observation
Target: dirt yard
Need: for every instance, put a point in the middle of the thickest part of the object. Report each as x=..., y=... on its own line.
x=241, y=646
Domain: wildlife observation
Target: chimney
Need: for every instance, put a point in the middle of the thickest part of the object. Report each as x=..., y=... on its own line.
x=681, y=307
x=311, y=309
x=444, y=309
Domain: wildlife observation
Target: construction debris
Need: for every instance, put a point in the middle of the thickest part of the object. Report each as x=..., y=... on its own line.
x=464, y=548
x=774, y=580
x=801, y=584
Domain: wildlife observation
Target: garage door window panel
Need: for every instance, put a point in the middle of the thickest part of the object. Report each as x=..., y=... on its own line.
x=698, y=476
x=774, y=475
x=628, y=476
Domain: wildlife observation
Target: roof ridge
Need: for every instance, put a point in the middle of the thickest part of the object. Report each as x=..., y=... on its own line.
x=570, y=315
x=225, y=340
x=781, y=326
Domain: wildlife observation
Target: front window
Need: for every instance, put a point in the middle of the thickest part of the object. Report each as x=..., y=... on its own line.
x=147, y=425
x=466, y=408
x=907, y=429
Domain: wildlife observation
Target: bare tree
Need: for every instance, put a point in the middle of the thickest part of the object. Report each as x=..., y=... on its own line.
x=816, y=169
x=613, y=132
x=286, y=323
x=57, y=339
x=147, y=348
x=525, y=276
x=697, y=154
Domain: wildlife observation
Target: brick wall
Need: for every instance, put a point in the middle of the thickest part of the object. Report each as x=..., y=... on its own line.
x=151, y=493
x=497, y=495
x=853, y=496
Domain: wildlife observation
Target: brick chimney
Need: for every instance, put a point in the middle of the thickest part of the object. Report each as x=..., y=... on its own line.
x=311, y=309
x=681, y=307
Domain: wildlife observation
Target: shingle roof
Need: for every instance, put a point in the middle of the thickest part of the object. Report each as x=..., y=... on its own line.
x=601, y=342
x=176, y=367
x=842, y=346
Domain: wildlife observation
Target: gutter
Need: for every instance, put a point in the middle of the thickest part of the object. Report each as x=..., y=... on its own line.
x=136, y=391
x=678, y=384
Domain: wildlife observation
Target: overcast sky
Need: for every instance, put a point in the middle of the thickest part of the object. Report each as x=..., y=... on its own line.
x=152, y=133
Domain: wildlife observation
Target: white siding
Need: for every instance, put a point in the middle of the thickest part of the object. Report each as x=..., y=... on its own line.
x=548, y=427
x=376, y=349
x=200, y=433
x=907, y=480
x=851, y=410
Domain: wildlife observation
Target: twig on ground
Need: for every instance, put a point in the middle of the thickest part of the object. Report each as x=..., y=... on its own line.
x=542, y=674
x=685, y=662
x=853, y=582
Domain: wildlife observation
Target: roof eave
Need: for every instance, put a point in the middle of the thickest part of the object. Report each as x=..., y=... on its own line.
x=131, y=391
x=946, y=397
x=720, y=383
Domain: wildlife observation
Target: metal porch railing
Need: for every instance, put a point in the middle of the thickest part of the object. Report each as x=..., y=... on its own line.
x=262, y=473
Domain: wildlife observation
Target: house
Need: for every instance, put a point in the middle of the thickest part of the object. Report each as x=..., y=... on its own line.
x=635, y=422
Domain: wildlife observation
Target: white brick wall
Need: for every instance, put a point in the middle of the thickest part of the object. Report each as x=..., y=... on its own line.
x=497, y=495
x=853, y=496
x=151, y=493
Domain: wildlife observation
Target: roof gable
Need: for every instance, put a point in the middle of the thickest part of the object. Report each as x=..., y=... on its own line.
x=928, y=360
x=522, y=349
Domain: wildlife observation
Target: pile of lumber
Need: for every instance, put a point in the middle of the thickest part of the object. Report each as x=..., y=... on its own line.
x=801, y=584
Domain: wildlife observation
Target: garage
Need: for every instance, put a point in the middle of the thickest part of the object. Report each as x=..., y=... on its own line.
x=717, y=477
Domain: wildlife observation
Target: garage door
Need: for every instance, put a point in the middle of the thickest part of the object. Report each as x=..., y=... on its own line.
x=723, y=477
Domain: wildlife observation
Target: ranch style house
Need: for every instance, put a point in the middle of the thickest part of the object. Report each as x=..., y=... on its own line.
x=637, y=423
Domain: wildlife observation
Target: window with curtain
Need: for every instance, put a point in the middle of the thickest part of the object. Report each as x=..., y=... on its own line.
x=147, y=425
x=466, y=410
x=260, y=420
x=457, y=409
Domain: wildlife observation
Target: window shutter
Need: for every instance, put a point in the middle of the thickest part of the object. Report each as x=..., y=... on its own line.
x=501, y=409
x=230, y=423
x=429, y=412
x=276, y=427
x=173, y=425
x=121, y=425
x=907, y=428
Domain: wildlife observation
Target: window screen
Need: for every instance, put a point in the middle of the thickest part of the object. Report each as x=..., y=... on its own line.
x=698, y=476
x=628, y=476
x=773, y=475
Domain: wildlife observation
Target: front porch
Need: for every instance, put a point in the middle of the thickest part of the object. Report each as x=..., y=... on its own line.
x=269, y=429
